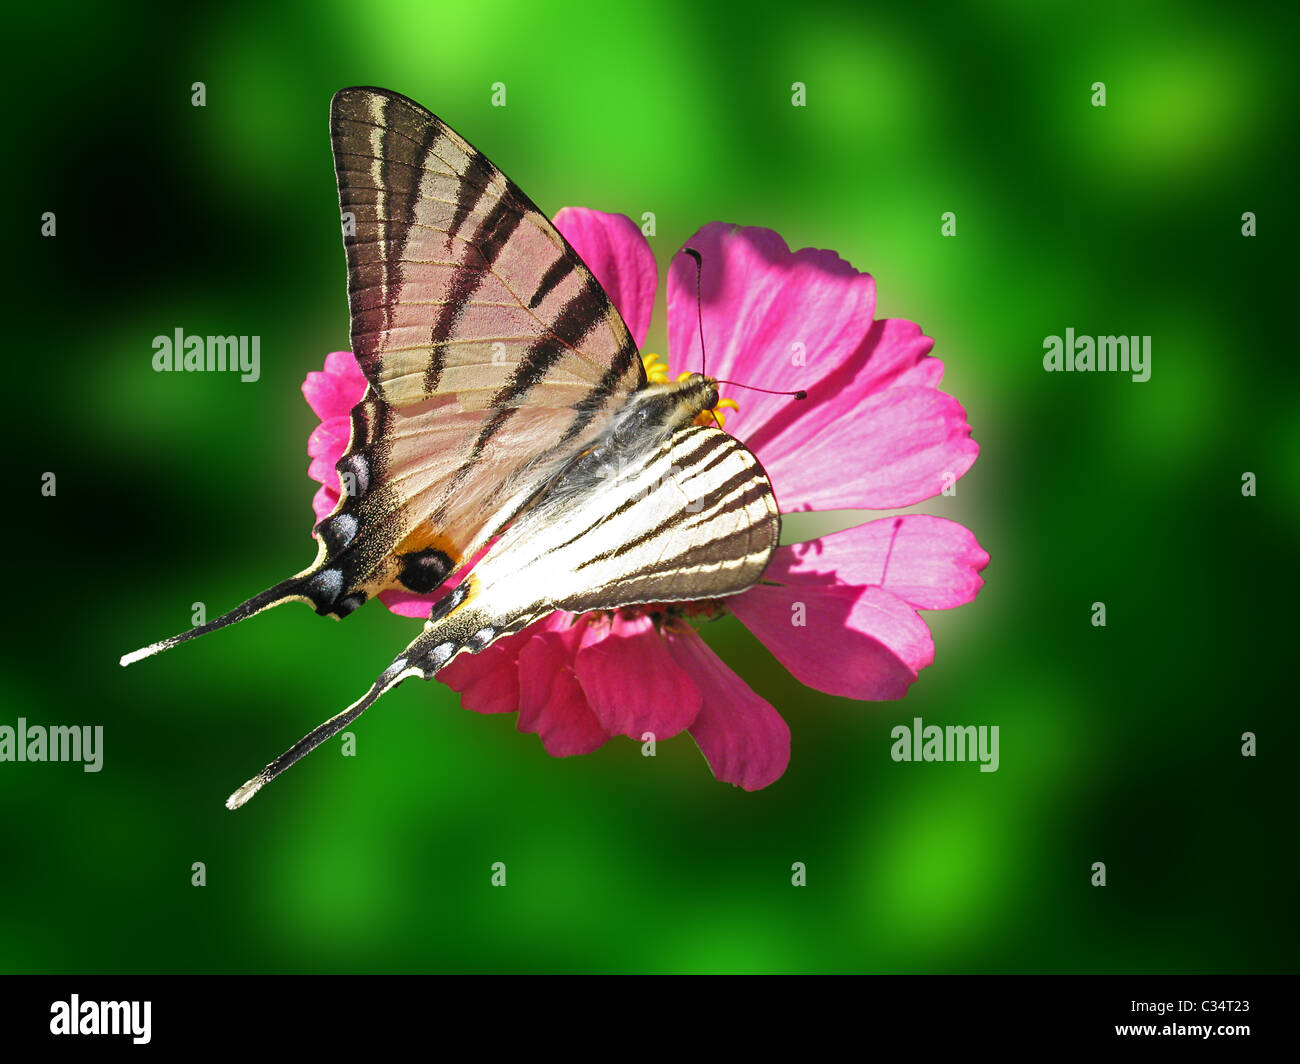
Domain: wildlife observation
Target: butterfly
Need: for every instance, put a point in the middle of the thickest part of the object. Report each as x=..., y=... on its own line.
x=507, y=408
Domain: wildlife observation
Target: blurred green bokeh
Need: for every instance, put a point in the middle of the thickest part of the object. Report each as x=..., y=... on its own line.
x=1118, y=744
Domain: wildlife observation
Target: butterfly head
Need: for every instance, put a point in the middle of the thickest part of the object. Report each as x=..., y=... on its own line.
x=698, y=394
x=671, y=405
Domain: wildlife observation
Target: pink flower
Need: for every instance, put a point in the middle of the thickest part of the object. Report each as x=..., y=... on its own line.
x=839, y=612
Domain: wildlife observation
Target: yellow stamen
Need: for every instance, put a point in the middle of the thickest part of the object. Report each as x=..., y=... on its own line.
x=706, y=417
x=656, y=370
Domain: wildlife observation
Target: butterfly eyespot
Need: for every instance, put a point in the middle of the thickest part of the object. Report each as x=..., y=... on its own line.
x=338, y=531
x=324, y=588
x=349, y=603
x=481, y=638
x=441, y=654
x=354, y=473
x=424, y=571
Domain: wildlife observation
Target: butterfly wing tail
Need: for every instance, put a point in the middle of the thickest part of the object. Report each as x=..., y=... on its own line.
x=290, y=590
x=390, y=677
x=458, y=623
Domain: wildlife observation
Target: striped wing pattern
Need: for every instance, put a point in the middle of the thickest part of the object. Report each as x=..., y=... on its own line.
x=696, y=519
x=494, y=356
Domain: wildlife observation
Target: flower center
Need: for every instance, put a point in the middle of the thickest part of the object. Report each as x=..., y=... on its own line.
x=668, y=616
x=656, y=371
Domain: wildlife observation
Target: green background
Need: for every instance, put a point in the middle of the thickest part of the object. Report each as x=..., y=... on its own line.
x=1118, y=744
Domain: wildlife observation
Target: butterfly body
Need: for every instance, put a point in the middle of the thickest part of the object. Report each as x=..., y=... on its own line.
x=506, y=408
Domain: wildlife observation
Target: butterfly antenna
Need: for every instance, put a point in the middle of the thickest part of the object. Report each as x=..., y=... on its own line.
x=800, y=394
x=285, y=591
x=699, y=316
x=699, y=310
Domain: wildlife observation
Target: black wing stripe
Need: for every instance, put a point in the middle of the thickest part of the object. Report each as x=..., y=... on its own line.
x=734, y=494
x=594, y=401
x=475, y=182
x=578, y=317
x=708, y=446
x=576, y=320
x=559, y=270
x=491, y=237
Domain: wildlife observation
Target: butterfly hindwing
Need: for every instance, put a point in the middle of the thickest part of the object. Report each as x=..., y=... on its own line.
x=694, y=519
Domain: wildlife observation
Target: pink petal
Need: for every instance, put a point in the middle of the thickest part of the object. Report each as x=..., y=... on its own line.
x=765, y=309
x=893, y=352
x=324, y=501
x=632, y=683
x=331, y=393
x=552, y=702
x=615, y=251
x=889, y=450
x=488, y=681
x=873, y=433
x=408, y=603
x=334, y=392
x=742, y=737
x=862, y=643
x=326, y=445
x=929, y=562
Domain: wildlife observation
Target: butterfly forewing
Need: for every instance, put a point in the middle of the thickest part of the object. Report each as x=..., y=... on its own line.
x=457, y=282
x=493, y=354
x=493, y=357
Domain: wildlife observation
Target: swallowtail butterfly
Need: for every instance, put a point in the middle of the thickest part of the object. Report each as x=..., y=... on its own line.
x=507, y=401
